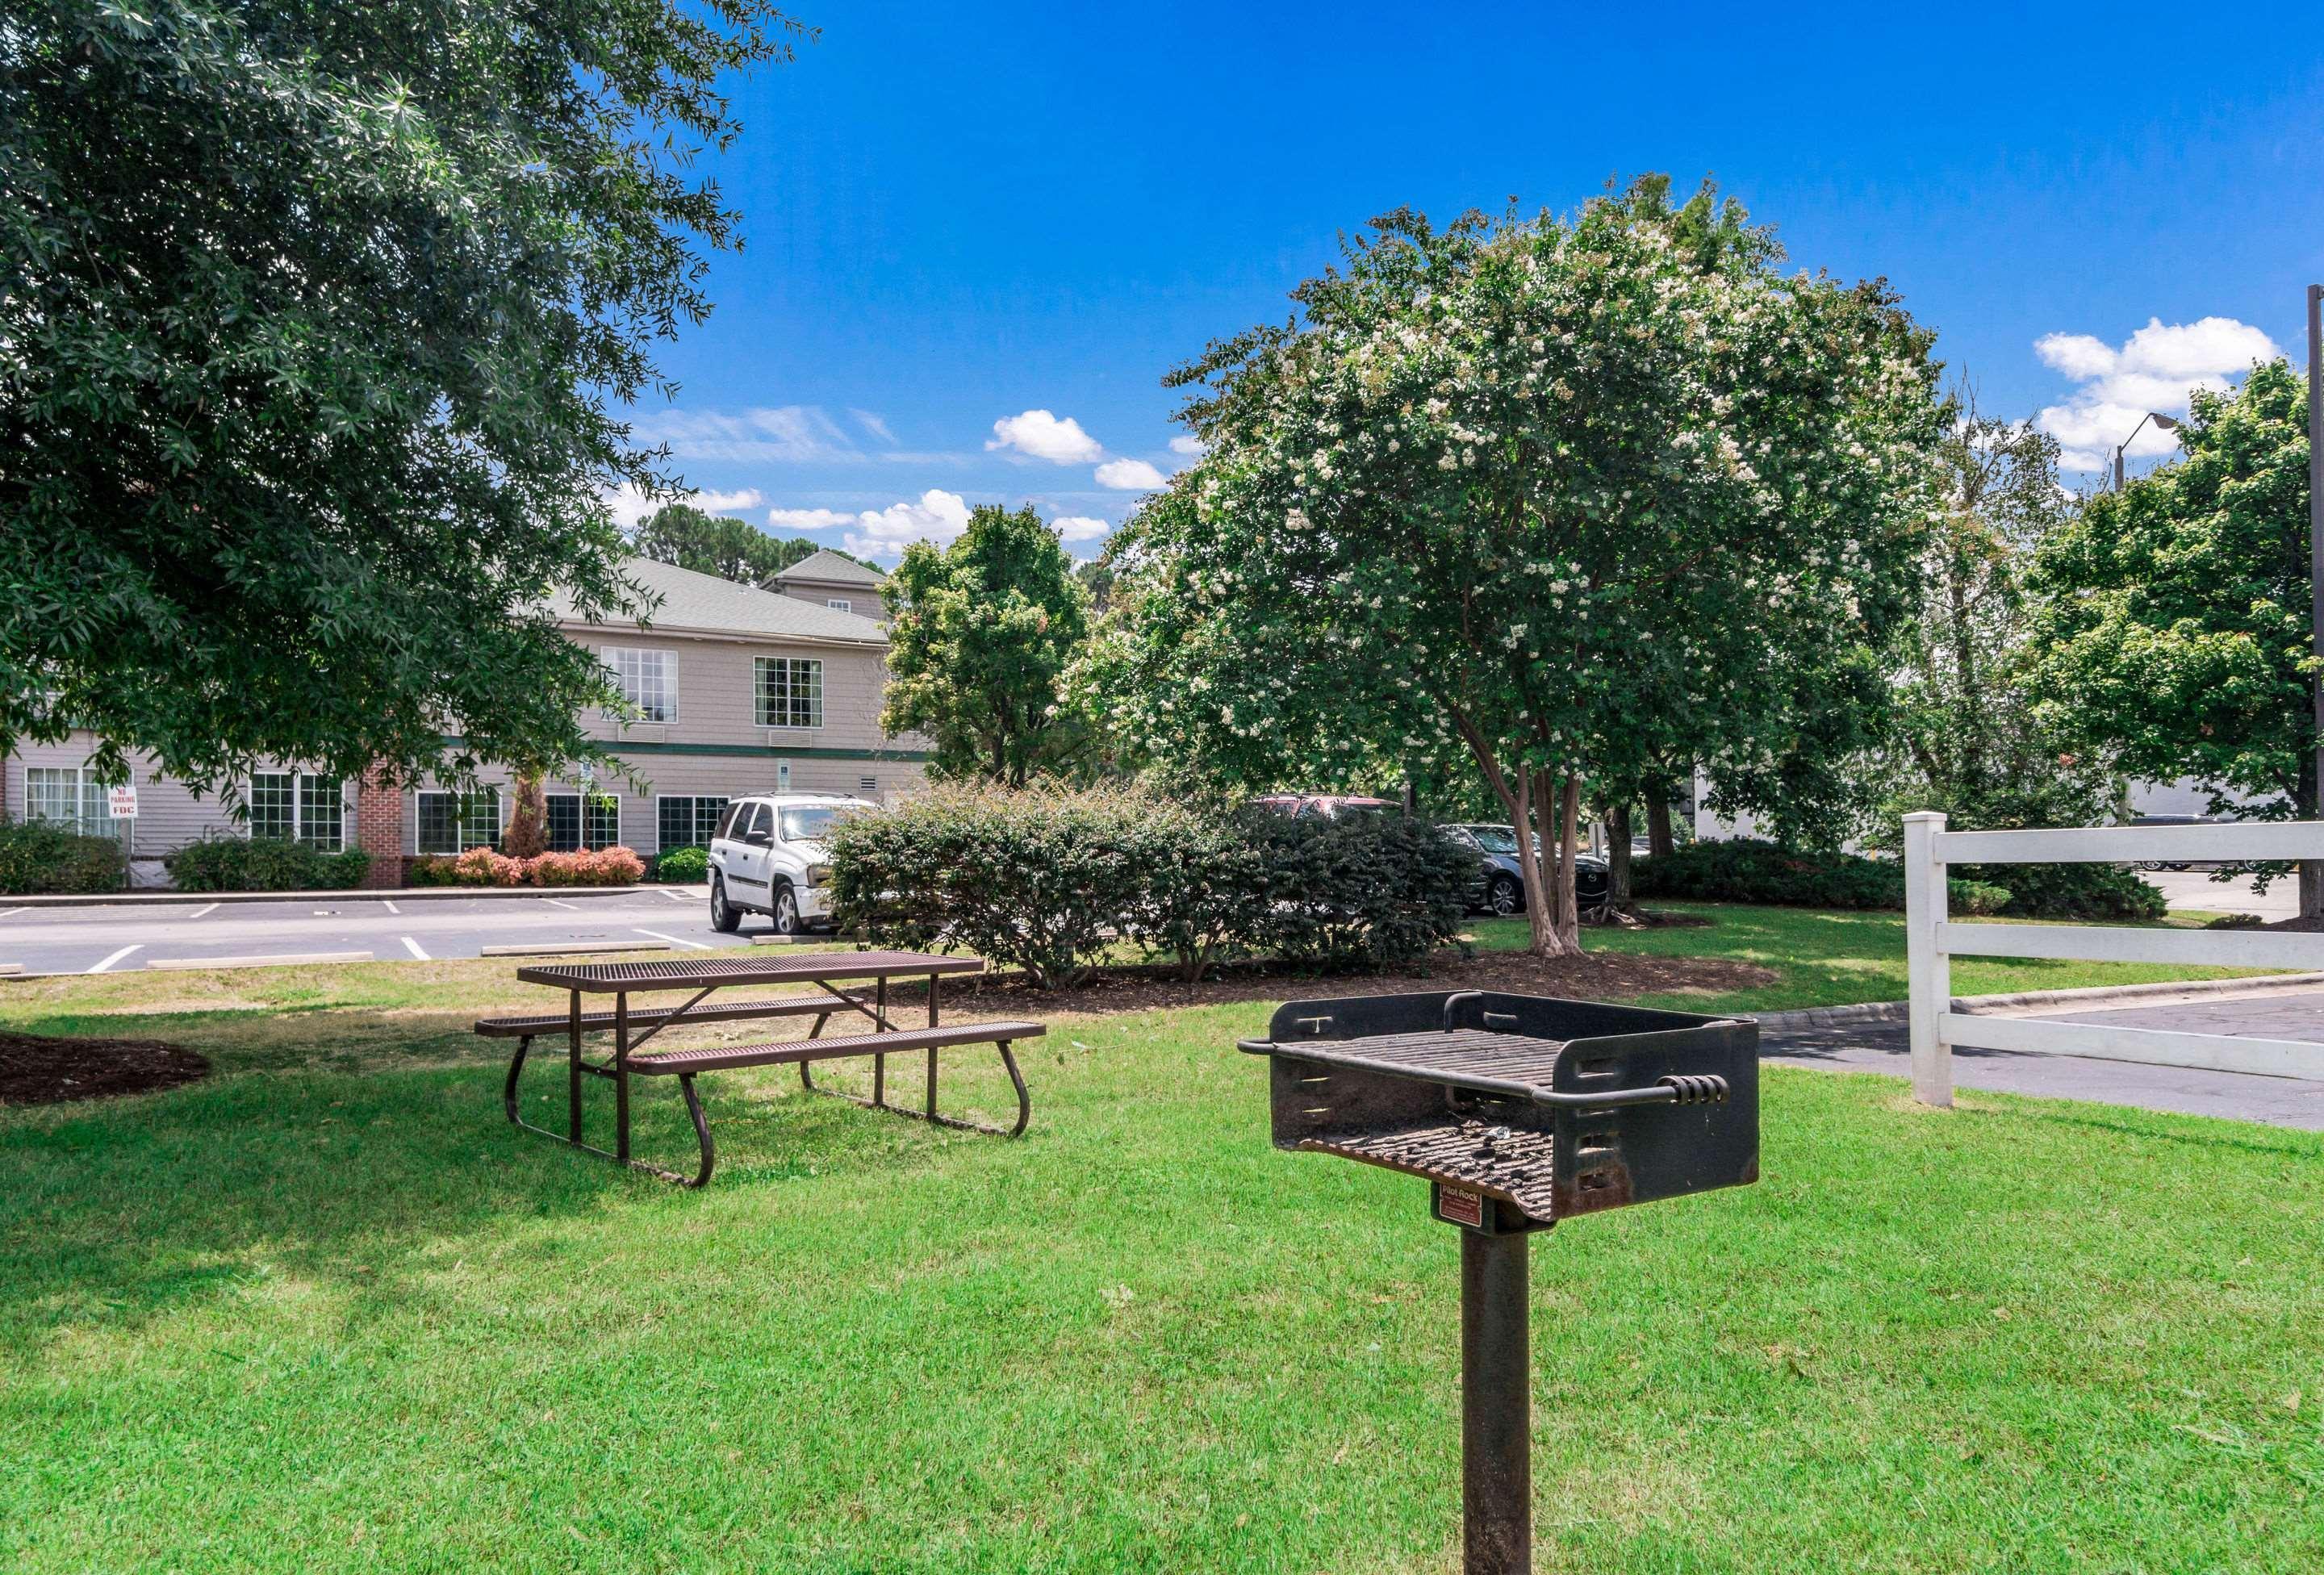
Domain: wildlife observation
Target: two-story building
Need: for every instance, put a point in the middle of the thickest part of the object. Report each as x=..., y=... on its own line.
x=732, y=689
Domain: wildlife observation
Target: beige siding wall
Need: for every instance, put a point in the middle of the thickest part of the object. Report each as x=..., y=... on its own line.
x=717, y=696
x=170, y=813
x=863, y=601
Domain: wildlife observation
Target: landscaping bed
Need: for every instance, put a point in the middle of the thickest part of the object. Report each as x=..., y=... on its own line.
x=39, y=1069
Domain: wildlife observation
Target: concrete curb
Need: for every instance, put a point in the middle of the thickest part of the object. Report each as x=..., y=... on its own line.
x=393, y=894
x=1889, y=1011
x=571, y=948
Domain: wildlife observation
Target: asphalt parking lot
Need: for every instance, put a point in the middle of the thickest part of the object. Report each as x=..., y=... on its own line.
x=112, y=938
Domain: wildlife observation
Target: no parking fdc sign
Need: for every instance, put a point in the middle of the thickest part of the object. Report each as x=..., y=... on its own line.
x=121, y=803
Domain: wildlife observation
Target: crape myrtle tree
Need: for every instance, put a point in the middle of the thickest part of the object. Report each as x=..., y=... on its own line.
x=2174, y=614
x=980, y=634
x=1569, y=498
x=314, y=319
x=1970, y=737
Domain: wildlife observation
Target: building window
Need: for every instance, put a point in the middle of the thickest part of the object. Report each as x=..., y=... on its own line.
x=648, y=680
x=453, y=823
x=71, y=796
x=839, y=604
x=297, y=807
x=577, y=821
x=688, y=822
x=867, y=786
x=790, y=692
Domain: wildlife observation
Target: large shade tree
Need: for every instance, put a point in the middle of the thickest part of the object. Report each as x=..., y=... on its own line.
x=1567, y=499
x=315, y=321
x=2175, y=614
x=980, y=634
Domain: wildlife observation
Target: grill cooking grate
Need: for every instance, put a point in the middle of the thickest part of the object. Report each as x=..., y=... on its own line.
x=1505, y=1161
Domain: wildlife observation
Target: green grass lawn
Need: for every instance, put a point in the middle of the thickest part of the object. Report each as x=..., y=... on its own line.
x=325, y=1311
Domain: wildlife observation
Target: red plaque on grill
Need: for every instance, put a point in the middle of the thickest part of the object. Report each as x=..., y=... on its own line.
x=1460, y=1206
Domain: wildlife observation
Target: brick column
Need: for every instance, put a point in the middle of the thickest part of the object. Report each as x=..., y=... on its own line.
x=379, y=831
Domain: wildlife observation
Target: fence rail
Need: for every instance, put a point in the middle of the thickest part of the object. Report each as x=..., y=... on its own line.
x=1933, y=940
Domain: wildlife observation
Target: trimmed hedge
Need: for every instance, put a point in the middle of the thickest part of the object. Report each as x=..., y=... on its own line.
x=1749, y=870
x=1045, y=878
x=2071, y=891
x=683, y=866
x=37, y=858
x=486, y=867
x=232, y=863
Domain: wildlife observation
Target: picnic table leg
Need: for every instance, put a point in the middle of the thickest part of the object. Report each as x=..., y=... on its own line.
x=515, y=1071
x=932, y=1055
x=573, y=1073
x=880, y=1063
x=622, y=1075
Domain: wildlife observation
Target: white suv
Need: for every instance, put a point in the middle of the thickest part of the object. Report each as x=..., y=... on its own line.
x=768, y=856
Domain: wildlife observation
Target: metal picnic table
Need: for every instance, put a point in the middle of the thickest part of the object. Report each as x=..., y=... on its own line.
x=826, y=971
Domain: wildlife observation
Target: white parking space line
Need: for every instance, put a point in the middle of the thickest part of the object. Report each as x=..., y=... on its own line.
x=198, y=912
x=13, y=911
x=116, y=957
x=673, y=940
x=675, y=895
x=560, y=902
x=412, y=946
x=389, y=905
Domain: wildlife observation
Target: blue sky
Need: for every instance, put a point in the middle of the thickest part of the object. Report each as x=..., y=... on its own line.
x=963, y=216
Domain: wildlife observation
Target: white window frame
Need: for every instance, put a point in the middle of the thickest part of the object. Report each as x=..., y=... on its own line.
x=299, y=781
x=839, y=603
x=89, y=793
x=632, y=681
x=761, y=707
x=607, y=803
x=460, y=825
x=695, y=798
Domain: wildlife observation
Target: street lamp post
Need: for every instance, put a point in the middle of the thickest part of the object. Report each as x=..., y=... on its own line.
x=2168, y=423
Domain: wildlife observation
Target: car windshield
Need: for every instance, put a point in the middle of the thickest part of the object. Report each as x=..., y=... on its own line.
x=1495, y=839
x=811, y=822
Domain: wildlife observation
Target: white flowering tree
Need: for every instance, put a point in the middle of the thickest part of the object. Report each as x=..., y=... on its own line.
x=1567, y=498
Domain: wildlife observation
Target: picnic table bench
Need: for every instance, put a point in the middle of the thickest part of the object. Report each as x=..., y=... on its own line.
x=633, y=1027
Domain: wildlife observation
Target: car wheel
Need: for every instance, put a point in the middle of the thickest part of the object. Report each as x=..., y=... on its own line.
x=1505, y=896
x=723, y=918
x=786, y=913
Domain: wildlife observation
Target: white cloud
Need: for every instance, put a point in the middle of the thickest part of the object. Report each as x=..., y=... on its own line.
x=1191, y=448
x=874, y=424
x=727, y=502
x=936, y=516
x=1039, y=434
x=788, y=434
x=630, y=506
x=2152, y=370
x=1081, y=528
x=1128, y=476
x=808, y=518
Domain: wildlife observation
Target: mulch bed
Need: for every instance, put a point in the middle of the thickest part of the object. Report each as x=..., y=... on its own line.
x=1594, y=976
x=34, y=1071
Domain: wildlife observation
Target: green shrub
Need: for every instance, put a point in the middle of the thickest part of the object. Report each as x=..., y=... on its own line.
x=2071, y=892
x=1977, y=898
x=1745, y=871
x=683, y=866
x=1359, y=892
x=231, y=863
x=36, y=857
x=614, y=866
x=1044, y=878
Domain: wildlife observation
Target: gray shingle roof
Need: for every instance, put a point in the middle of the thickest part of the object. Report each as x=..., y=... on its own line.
x=821, y=565
x=708, y=603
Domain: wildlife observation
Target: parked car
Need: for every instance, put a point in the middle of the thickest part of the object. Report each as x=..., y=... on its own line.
x=1499, y=885
x=1324, y=805
x=768, y=855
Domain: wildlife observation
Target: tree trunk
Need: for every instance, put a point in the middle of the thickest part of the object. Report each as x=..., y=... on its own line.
x=1658, y=823
x=1549, y=890
x=2311, y=888
x=1569, y=843
x=1618, y=858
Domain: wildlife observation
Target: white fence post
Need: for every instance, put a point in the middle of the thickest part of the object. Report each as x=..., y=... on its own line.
x=1929, y=974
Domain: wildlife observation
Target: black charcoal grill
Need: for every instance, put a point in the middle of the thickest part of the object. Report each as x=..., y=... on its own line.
x=1520, y=1111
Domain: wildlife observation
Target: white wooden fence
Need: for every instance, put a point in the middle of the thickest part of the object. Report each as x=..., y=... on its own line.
x=1931, y=939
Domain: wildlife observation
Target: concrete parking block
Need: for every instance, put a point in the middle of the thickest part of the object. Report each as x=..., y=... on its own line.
x=290, y=961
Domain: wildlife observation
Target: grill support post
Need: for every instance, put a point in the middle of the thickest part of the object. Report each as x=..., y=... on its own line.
x=1496, y=1406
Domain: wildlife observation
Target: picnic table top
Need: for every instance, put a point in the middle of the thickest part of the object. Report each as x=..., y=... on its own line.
x=696, y=972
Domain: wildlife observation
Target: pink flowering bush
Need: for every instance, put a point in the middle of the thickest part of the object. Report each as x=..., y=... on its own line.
x=485, y=867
